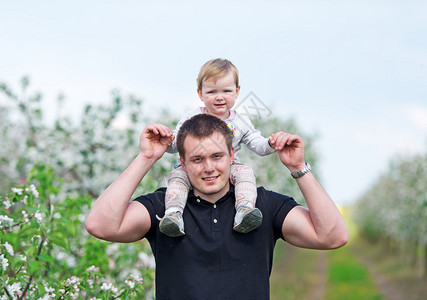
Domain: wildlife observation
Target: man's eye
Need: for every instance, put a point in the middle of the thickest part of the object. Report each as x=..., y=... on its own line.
x=197, y=160
x=218, y=156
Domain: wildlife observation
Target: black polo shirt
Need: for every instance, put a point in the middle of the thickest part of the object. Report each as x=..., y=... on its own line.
x=211, y=261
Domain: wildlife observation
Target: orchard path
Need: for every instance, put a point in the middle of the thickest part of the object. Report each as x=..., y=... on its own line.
x=303, y=274
x=299, y=274
x=319, y=278
x=408, y=285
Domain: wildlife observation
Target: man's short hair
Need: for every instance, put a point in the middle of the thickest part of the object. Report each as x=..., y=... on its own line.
x=203, y=125
x=215, y=69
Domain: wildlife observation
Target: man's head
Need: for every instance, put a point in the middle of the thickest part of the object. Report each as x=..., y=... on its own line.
x=204, y=143
x=200, y=126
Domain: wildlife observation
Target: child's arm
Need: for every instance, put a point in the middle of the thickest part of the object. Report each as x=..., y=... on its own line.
x=251, y=137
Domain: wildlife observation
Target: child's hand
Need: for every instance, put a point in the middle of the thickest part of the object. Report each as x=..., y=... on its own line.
x=276, y=140
x=290, y=149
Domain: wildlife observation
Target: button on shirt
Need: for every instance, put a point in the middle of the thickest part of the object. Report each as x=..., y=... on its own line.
x=211, y=261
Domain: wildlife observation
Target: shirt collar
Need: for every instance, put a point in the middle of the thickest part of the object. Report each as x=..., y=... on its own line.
x=227, y=196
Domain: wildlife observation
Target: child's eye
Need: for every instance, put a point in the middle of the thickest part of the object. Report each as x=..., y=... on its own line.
x=211, y=92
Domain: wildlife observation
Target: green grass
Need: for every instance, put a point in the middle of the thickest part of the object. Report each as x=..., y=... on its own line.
x=348, y=279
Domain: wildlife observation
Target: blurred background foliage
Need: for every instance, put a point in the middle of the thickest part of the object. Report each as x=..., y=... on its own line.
x=88, y=153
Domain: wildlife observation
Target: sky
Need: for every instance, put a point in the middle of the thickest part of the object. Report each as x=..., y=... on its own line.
x=354, y=73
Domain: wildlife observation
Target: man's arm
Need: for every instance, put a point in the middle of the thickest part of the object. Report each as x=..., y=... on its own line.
x=321, y=226
x=112, y=216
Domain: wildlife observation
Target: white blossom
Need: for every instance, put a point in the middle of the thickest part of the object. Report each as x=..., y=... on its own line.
x=17, y=190
x=109, y=286
x=36, y=239
x=92, y=269
x=4, y=262
x=7, y=204
x=5, y=219
x=22, y=257
x=14, y=288
x=39, y=216
x=73, y=280
x=130, y=283
x=25, y=215
x=34, y=190
x=9, y=248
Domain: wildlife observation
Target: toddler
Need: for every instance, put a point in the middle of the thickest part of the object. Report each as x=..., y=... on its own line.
x=218, y=87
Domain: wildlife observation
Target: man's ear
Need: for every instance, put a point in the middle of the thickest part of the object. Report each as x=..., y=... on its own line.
x=182, y=164
x=231, y=155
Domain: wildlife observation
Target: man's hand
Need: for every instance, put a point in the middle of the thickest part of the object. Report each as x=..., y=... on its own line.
x=290, y=149
x=154, y=140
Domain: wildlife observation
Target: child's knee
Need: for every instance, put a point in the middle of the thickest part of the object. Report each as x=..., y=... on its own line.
x=179, y=175
x=240, y=173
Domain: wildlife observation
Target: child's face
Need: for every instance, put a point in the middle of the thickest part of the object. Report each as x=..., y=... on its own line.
x=219, y=97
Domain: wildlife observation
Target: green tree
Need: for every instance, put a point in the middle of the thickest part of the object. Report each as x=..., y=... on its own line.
x=45, y=253
x=395, y=207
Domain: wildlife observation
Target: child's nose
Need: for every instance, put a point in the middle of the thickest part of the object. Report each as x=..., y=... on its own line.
x=219, y=96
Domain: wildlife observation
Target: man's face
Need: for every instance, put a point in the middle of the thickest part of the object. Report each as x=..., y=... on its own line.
x=219, y=97
x=207, y=163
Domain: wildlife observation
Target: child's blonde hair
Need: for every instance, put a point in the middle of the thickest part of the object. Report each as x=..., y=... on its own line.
x=215, y=69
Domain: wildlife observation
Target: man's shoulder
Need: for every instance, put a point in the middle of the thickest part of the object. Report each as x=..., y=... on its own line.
x=262, y=189
x=268, y=195
x=158, y=194
x=274, y=204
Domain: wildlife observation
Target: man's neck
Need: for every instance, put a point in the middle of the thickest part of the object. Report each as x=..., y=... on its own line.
x=214, y=197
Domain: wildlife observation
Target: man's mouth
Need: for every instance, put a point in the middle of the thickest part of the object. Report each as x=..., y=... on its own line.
x=210, y=179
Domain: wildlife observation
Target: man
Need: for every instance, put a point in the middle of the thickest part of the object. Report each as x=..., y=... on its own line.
x=212, y=261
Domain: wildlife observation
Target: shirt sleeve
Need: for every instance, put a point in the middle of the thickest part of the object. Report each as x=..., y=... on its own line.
x=252, y=137
x=277, y=207
x=155, y=205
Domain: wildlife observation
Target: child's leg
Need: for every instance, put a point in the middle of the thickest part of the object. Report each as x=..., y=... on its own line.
x=247, y=217
x=243, y=178
x=177, y=191
x=172, y=224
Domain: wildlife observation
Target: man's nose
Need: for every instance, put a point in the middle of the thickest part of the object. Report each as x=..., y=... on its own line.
x=209, y=166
